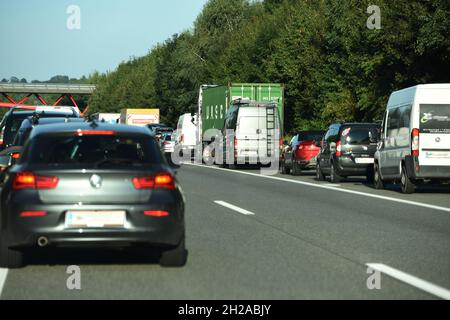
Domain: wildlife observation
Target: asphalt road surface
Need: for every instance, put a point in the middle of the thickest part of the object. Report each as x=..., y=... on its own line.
x=256, y=237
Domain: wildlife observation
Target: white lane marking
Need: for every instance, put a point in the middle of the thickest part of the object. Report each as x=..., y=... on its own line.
x=414, y=203
x=3, y=275
x=233, y=207
x=412, y=280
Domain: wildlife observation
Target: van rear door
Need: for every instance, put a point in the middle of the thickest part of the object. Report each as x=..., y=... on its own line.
x=434, y=141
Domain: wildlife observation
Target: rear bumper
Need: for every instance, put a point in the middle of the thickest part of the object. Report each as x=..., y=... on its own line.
x=307, y=164
x=139, y=229
x=418, y=172
x=346, y=166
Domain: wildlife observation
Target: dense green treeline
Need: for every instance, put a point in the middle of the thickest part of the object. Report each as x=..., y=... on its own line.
x=333, y=65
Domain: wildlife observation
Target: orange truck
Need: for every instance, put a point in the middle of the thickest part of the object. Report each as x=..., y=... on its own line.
x=139, y=117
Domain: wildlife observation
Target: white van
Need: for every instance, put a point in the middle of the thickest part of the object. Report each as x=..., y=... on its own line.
x=256, y=126
x=186, y=133
x=415, y=138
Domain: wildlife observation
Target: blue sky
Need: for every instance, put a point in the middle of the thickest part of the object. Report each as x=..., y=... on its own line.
x=36, y=43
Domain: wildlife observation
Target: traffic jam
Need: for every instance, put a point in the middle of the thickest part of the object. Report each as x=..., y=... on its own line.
x=110, y=179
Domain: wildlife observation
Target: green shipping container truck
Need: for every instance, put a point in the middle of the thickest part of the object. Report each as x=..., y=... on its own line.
x=214, y=102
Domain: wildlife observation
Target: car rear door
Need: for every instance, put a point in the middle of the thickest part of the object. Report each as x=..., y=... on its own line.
x=247, y=134
x=359, y=143
x=434, y=141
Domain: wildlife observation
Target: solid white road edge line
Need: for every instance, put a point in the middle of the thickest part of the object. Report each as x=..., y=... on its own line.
x=411, y=280
x=3, y=275
x=235, y=208
x=419, y=204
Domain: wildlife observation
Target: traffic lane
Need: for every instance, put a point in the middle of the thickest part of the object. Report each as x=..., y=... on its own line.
x=363, y=229
x=230, y=257
x=431, y=194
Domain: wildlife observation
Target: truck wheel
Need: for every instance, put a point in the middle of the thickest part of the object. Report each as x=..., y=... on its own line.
x=296, y=170
x=319, y=174
x=377, y=181
x=9, y=258
x=334, y=176
x=176, y=257
x=408, y=186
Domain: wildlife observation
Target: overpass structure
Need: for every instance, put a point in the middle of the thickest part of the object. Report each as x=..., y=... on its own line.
x=28, y=90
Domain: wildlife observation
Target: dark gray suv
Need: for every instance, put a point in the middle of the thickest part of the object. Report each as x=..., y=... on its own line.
x=348, y=150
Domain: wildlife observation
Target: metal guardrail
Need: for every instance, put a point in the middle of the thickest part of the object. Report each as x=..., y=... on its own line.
x=47, y=88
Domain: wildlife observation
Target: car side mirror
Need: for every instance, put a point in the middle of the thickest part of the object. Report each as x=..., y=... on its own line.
x=285, y=142
x=318, y=143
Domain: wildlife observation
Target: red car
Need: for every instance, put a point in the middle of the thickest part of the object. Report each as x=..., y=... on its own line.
x=301, y=152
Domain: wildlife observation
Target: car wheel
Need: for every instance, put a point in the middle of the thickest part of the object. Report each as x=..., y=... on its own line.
x=319, y=174
x=377, y=181
x=175, y=257
x=10, y=258
x=282, y=167
x=296, y=170
x=408, y=186
x=334, y=177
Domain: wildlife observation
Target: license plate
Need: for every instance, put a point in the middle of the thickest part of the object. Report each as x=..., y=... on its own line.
x=95, y=219
x=364, y=160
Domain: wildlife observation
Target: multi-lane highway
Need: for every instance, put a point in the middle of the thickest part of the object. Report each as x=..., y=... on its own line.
x=279, y=237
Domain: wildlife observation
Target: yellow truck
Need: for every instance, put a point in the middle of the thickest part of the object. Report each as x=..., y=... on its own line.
x=139, y=117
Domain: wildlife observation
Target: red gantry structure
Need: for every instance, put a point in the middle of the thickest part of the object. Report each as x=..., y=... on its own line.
x=38, y=90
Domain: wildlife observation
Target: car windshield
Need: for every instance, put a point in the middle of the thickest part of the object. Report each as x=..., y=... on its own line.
x=94, y=151
x=359, y=135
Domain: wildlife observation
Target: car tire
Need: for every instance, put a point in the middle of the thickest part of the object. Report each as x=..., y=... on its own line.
x=377, y=180
x=284, y=169
x=175, y=257
x=319, y=174
x=296, y=170
x=9, y=258
x=408, y=186
x=334, y=176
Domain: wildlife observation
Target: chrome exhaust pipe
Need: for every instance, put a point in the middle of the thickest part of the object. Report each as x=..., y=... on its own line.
x=42, y=242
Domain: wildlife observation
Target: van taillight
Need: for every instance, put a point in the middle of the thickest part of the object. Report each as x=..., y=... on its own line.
x=415, y=142
x=28, y=180
x=160, y=180
x=235, y=147
x=182, y=138
x=338, y=149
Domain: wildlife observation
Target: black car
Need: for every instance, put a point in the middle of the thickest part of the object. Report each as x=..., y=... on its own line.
x=12, y=120
x=87, y=184
x=348, y=150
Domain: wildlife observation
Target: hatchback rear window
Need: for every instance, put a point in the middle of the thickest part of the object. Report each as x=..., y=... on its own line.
x=94, y=151
x=360, y=135
x=310, y=136
x=435, y=118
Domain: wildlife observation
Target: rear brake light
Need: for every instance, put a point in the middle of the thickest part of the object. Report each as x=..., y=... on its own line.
x=46, y=182
x=15, y=155
x=235, y=144
x=415, y=142
x=28, y=214
x=94, y=133
x=182, y=138
x=156, y=213
x=24, y=180
x=338, y=149
x=160, y=180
